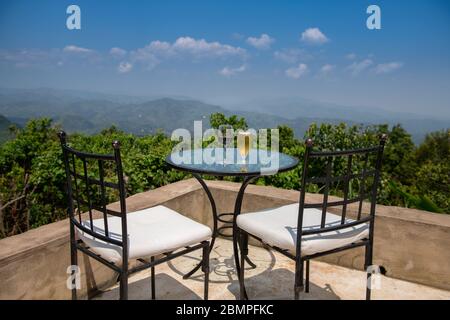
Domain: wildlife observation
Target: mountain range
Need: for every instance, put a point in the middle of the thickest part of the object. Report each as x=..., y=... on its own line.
x=90, y=112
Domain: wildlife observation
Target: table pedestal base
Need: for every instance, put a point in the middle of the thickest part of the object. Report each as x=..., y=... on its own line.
x=227, y=224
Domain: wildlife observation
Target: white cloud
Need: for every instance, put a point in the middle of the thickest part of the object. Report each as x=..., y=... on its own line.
x=124, y=67
x=75, y=49
x=314, y=36
x=358, y=67
x=263, y=42
x=350, y=56
x=383, y=68
x=72, y=52
x=297, y=72
x=148, y=56
x=117, y=52
x=157, y=51
x=327, y=69
x=228, y=72
x=160, y=46
x=291, y=55
x=201, y=47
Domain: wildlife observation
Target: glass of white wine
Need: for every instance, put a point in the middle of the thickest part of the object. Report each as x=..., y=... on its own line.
x=244, y=143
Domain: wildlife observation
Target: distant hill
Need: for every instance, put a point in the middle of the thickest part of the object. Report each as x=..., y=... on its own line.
x=91, y=112
x=86, y=114
x=294, y=107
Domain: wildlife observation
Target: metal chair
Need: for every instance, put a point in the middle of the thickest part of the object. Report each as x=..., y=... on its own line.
x=304, y=231
x=151, y=236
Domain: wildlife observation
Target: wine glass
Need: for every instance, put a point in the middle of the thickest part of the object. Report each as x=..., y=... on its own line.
x=244, y=143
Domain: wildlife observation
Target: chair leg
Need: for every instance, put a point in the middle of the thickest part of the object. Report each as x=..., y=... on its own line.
x=307, y=277
x=205, y=269
x=368, y=263
x=298, y=287
x=124, y=286
x=152, y=259
x=73, y=262
x=243, y=241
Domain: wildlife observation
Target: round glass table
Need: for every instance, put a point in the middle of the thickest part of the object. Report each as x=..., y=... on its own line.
x=221, y=162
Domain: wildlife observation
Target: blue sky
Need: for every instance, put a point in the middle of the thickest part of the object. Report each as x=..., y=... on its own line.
x=233, y=51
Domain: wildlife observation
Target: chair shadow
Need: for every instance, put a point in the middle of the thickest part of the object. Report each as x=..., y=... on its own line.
x=278, y=284
x=167, y=288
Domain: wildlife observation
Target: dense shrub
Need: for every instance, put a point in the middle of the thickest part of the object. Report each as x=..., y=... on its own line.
x=32, y=177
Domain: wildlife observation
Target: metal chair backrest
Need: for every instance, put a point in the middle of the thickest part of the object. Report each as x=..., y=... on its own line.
x=81, y=187
x=367, y=177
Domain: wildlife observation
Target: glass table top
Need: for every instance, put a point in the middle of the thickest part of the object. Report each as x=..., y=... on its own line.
x=229, y=162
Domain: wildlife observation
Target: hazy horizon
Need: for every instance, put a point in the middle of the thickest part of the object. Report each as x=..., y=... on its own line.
x=230, y=104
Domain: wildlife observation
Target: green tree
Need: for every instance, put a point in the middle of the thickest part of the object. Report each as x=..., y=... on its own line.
x=217, y=119
x=433, y=174
x=21, y=167
x=286, y=138
x=435, y=147
x=399, y=156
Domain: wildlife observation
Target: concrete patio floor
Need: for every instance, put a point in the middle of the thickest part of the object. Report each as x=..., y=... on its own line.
x=272, y=279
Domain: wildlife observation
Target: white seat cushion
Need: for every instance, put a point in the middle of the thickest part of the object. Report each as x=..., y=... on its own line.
x=278, y=227
x=150, y=232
